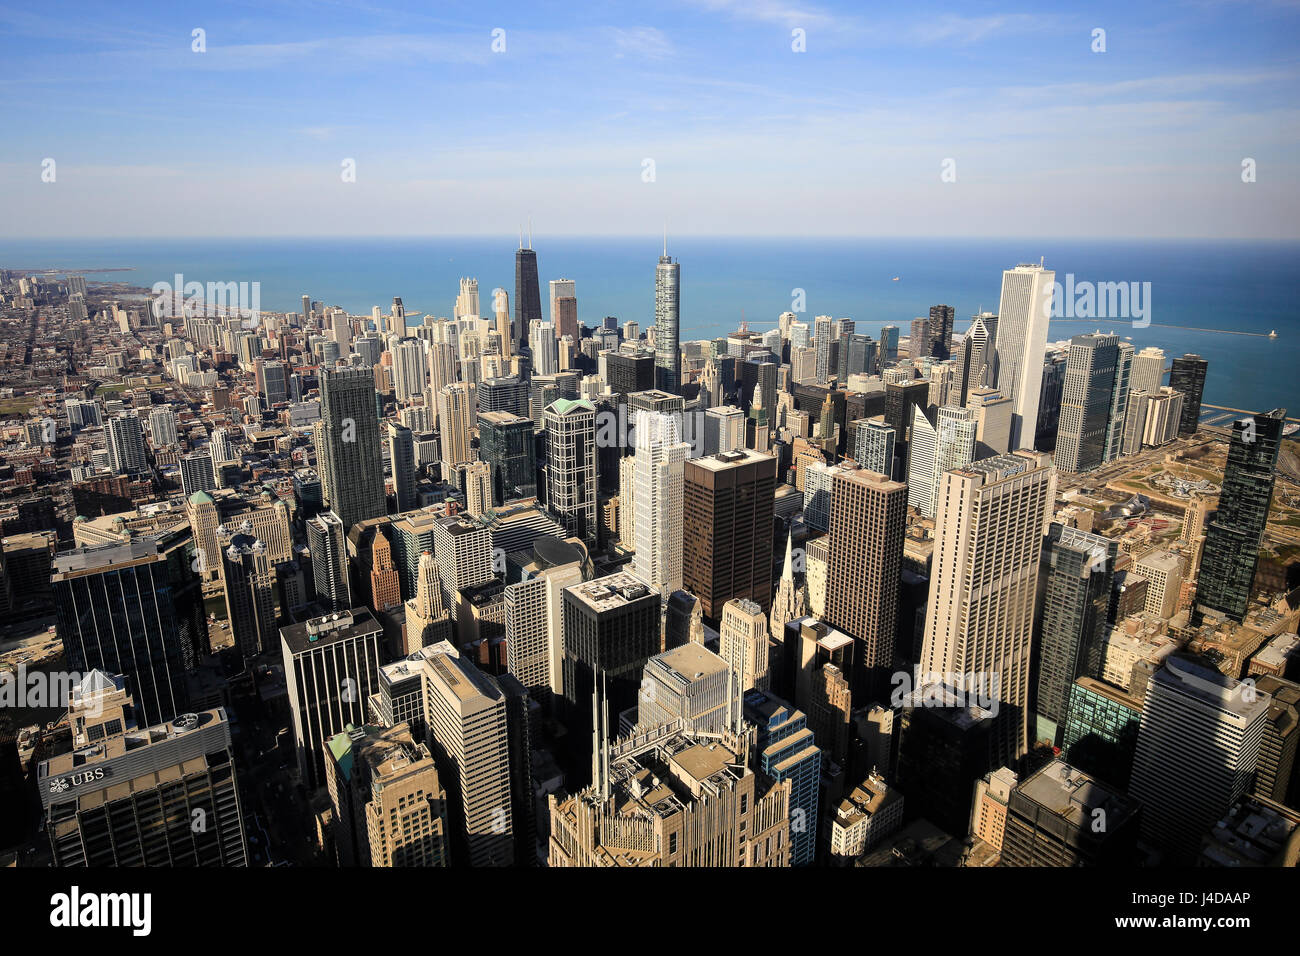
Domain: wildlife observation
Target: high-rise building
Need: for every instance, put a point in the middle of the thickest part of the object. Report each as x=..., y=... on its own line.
x=743, y=644
x=868, y=524
x=331, y=668
x=984, y=574
x=942, y=439
x=1148, y=370
x=467, y=719
x=791, y=600
x=329, y=562
x=350, y=436
x=1188, y=376
x=1076, y=573
x=401, y=456
x=610, y=628
x=785, y=750
x=534, y=618
x=408, y=369
x=426, y=615
x=1052, y=820
x=248, y=580
x=1231, y=552
x=629, y=372
x=727, y=529
x=993, y=413
x=1087, y=400
x=196, y=473
x=823, y=329
x=1119, y=401
x=1196, y=753
x=571, y=481
x=126, y=452
x=123, y=795
x=668, y=356
x=939, y=331
x=116, y=612
x=657, y=479
x=1023, y=315
x=710, y=808
x=462, y=549
x=390, y=808
x=528, y=296
x=506, y=444
x=724, y=429
x=687, y=683
x=873, y=444
x=456, y=415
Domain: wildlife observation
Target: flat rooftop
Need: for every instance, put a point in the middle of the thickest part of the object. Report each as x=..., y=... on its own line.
x=330, y=629
x=612, y=591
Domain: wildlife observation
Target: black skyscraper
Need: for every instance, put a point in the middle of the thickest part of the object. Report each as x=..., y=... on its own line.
x=1188, y=376
x=940, y=331
x=1233, y=538
x=528, y=295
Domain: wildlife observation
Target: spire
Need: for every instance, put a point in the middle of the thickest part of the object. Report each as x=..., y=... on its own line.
x=521, y=235
x=787, y=569
x=530, y=232
x=665, y=240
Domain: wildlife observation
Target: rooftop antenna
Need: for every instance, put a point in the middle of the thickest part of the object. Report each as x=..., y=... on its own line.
x=665, y=238
x=530, y=232
x=521, y=235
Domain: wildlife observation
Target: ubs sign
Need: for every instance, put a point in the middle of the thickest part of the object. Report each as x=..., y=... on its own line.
x=64, y=784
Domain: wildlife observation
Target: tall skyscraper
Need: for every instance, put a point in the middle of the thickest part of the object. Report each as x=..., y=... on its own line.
x=823, y=329
x=868, y=523
x=331, y=667
x=1076, y=574
x=1232, y=541
x=1188, y=377
x=791, y=600
x=743, y=644
x=873, y=444
x=1119, y=401
x=248, y=580
x=506, y=444
x=528, y=296
x=571, y=481
x=126, y=452
x=408, y=369
x=350, y=436
x=116, y=613
x=941, y=441
x=456, y=413
x=1086, y=402
x=427, y=622
x=196, y=473
x=1148, y=370
x=939, y=331
x=984, y=574
x=668, y=356
x=1196, y=753
x=401, y=457
x=469, y=737
x=327, y=542
x=976, y=365
x=118, y=794
x=1023, y=315
x=657, y=478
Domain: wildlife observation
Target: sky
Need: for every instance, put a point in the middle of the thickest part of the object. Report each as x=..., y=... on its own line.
x=997, y=119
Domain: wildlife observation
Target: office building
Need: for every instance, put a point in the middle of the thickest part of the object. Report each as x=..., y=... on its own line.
x=571, y=479
x=689, y=684
x=329, y=562
x=873, y=444
x=125, y=439
x=1101, y=730
x=727, y=529
x=456, y=416
x=1060, y=816
x=1197, y=726
x=331, y=668
x=248, y=580
x=668, y=356
x=1086, y=402
x=117, y=794
x=506, y=443
x=350, y=455
x=1188, y=376
x=868, y=523
x=401, y=455
x=989, y=529
x=1024, y=311
x=657, y=490
x=784, y=750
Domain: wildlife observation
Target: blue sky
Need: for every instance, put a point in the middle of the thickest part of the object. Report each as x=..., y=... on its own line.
x=1047, y=137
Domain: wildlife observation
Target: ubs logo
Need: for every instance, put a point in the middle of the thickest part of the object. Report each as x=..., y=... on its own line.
x=64, y=784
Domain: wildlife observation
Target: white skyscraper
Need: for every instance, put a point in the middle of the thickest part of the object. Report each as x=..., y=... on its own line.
x=822, y=331
x=1148, y=370
x=946, y=444
x=1023, y=315
x=1196, y=753
x=989, y=527
x=408, y=369
x=659, y=467
x=541, y=339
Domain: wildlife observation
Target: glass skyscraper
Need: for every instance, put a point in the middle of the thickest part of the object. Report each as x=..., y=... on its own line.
x=668, y=357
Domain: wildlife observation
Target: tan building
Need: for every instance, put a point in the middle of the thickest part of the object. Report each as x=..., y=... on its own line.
x=672, y=798
x=988, y=820
x=989, y=528
x=743, y=644
x=390, y=809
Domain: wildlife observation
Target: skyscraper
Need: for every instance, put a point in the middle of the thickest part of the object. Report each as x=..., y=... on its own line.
x=331, y=668
x=571, y=481
x=873, y=444
x=1119, y=401
x=1232, y=541
x=668, y=356
x=248, y=579
x=506, y=444
x=1196, y=753
x=1148, y=370
x=868, y=523
x=743, y=644
x=1188, y=377
x=1076, y=573
x=984, y=574
x=456, y=414
x=401, y=456
x=327, y=543
x=350, y=434
x=791, y=600
x=939, y=330
x=126, y=453
x=1087, y=400
x=528, y=296
x=426, y=615
x=116, y=613
x=1023, y=315
x=657, y=478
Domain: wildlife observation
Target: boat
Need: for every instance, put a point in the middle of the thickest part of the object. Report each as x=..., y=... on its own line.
x=895, y=278
x=1272, y=333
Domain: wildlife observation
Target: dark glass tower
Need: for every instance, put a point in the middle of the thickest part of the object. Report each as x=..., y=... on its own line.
x=352, y=458
x=1233, y=537
x=1188, y=376
x=1075, y=576
x=528, y=295
x=506, y=444
x=939, y=329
